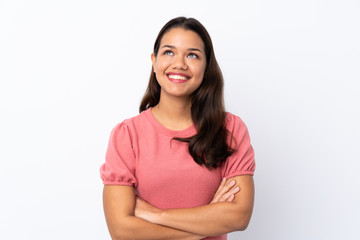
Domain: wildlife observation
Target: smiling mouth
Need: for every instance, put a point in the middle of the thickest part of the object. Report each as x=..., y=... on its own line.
x=178, y=78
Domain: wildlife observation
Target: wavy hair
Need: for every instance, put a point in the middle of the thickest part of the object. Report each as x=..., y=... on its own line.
x=209, y=146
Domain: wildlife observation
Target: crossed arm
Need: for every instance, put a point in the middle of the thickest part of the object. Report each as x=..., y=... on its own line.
x=129, y=217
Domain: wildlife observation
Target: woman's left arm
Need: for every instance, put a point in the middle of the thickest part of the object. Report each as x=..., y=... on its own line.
x=210, y=220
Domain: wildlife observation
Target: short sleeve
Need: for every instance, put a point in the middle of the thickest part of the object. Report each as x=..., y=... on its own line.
x=242, y=161
x=119, y=166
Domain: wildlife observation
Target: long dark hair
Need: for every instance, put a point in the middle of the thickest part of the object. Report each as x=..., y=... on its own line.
x=211, y=145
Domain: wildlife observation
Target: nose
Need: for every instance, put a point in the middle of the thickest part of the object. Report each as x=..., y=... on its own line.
x=179, y=63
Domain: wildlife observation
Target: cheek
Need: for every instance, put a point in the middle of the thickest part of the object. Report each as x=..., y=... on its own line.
x=199, y=71
x=160, y=67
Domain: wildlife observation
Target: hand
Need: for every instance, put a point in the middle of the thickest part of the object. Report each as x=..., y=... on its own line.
x=225, y=192
x=145, y=210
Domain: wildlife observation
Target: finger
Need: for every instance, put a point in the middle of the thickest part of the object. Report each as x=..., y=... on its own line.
x=228, y=196
x=226, y=187
x=219, y=196
x=222, y=184
x=231, y=198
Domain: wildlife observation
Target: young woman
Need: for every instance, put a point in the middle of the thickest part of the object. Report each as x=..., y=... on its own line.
x=182, y=168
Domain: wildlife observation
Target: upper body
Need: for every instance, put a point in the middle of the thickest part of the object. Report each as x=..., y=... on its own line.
x=182, y=168
x=143, y=154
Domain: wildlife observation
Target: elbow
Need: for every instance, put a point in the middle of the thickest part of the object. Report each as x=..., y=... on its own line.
x=119, y=234
x=119, y=237
x=242, y=222
x=123, y=229
x=115, y=237
x=242, y=226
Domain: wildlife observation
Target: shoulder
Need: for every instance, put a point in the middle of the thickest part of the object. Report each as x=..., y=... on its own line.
x=131, y=124
x=236, y=127
x=233, y=121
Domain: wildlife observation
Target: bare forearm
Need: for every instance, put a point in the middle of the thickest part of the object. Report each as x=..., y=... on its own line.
x=134, y=228
x=119, y=202
x=209, y=220
x=213, y=219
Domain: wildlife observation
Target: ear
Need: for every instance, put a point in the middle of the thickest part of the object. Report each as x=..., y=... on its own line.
x=153, y=60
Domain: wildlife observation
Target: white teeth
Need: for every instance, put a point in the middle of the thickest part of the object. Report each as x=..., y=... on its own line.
x=178, y=77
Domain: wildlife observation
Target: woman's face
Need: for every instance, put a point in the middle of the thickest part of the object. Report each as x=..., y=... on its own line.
x=180, y=63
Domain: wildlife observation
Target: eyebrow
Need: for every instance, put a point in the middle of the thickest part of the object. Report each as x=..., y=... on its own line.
x=189, y=49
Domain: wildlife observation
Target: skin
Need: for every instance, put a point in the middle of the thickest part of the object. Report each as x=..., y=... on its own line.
x=124, y=224
x=181, y=51
x=214, y=219
x=128, y=217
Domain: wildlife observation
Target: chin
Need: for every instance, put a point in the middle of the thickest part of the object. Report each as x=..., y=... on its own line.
x=177, y=94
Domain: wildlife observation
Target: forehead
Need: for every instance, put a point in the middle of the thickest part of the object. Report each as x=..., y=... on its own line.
x=181, y=38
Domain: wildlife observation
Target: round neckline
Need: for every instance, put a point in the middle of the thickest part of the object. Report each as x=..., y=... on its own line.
x=187, y=132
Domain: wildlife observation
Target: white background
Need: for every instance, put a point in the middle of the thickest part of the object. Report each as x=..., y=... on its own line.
x=70, y=70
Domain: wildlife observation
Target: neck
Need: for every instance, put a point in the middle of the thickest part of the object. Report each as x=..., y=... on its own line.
x=173, y=113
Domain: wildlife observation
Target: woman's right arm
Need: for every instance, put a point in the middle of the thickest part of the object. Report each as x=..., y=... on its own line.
x=119, y=205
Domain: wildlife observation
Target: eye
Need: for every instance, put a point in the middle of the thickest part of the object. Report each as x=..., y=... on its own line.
x=193, y=55
x=168, y=52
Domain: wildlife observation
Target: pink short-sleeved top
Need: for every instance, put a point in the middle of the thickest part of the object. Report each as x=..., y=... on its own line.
x=142, y=154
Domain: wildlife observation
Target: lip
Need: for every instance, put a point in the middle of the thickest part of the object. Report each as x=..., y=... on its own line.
x=178, y=80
